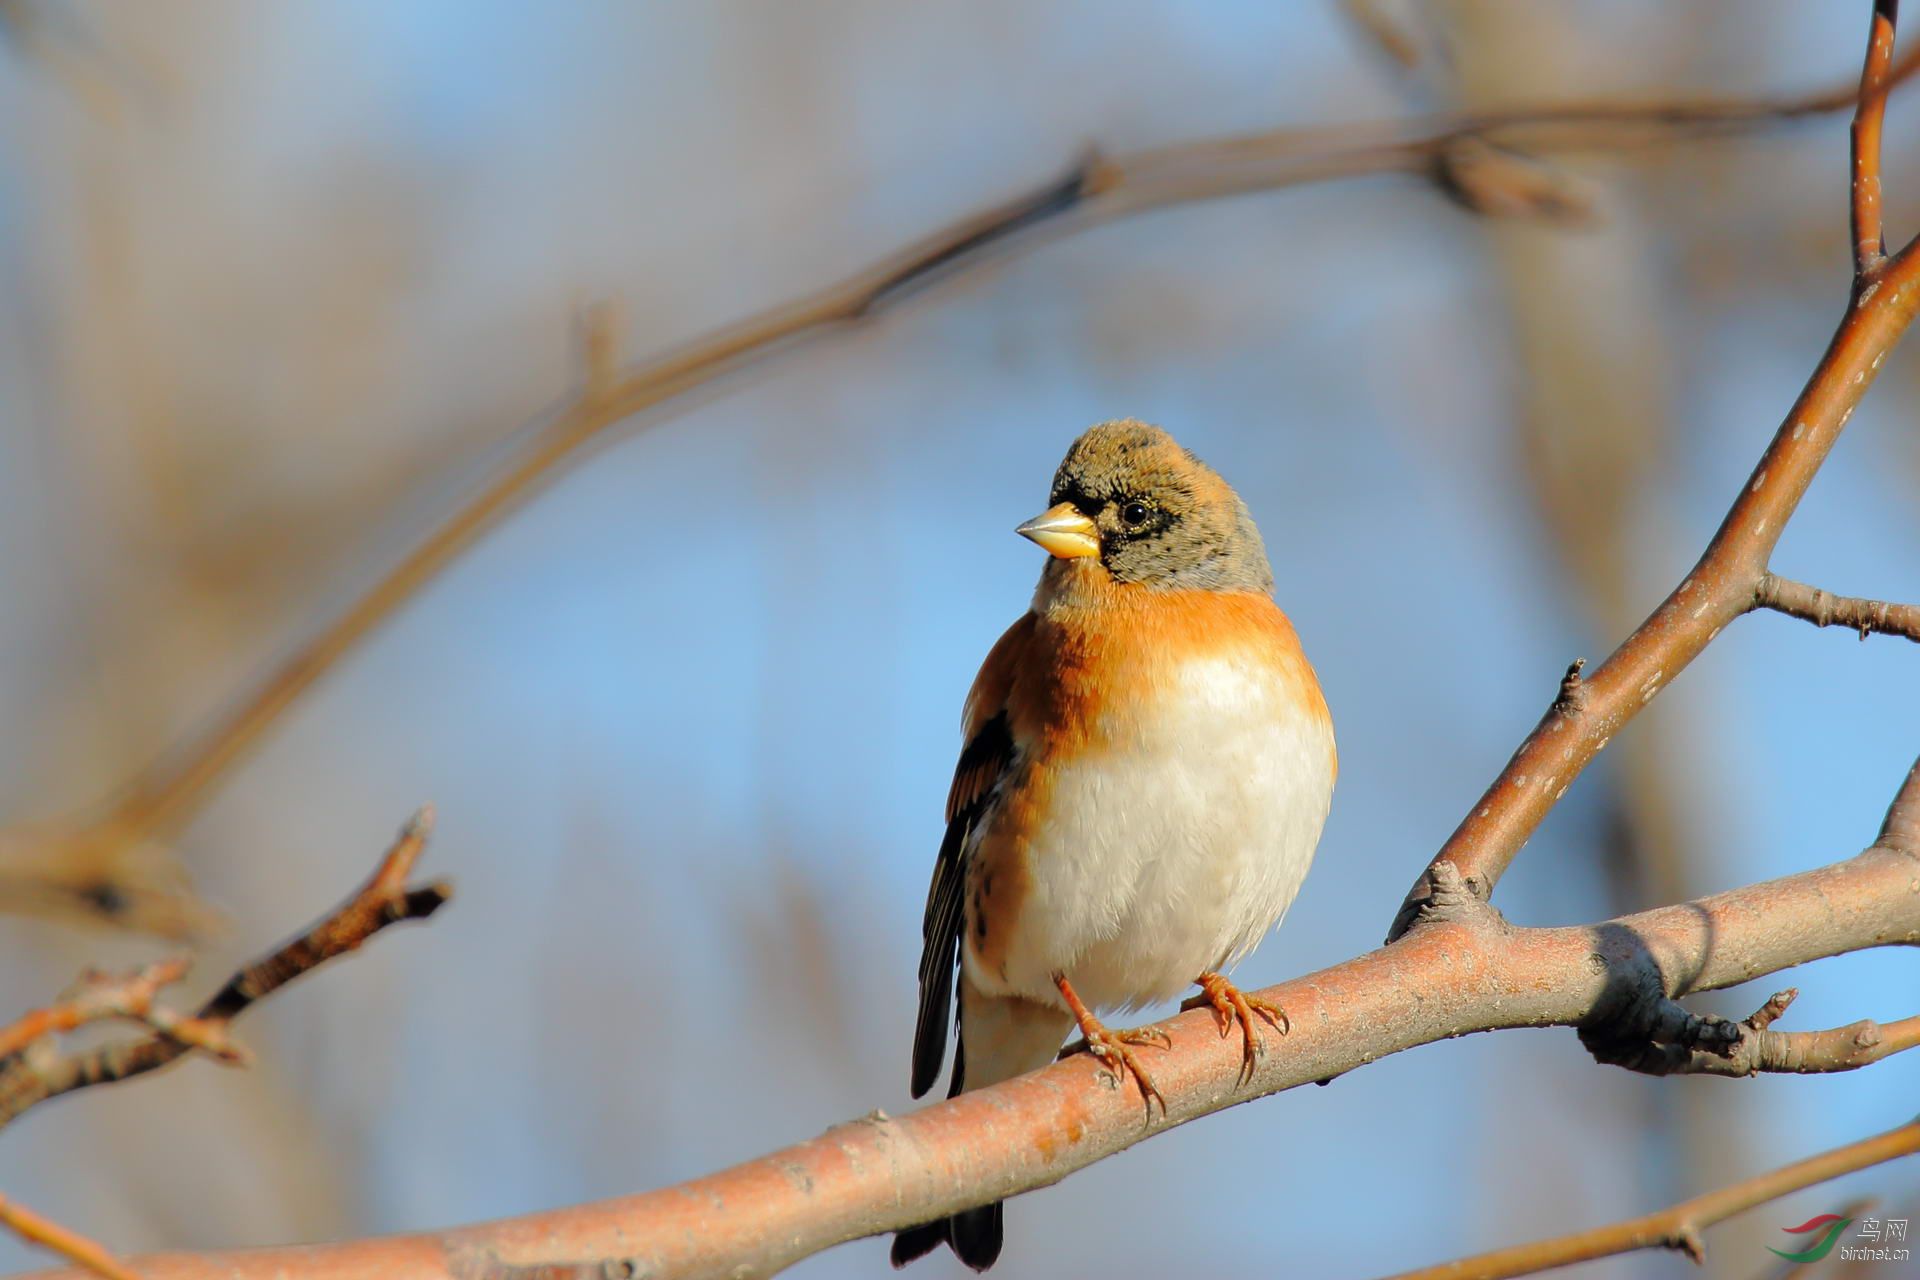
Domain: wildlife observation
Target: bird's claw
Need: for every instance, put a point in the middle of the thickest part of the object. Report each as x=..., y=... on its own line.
x=1112, y=1048
x=1231, y=1005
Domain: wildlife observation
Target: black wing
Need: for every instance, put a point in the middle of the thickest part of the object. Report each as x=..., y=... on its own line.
x=982, y=763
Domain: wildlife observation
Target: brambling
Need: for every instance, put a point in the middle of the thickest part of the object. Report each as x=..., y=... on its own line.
x=1148, y=764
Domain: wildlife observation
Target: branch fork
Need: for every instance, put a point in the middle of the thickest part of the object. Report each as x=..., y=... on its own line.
x=32, y=1071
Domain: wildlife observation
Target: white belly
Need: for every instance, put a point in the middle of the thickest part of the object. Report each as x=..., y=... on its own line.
x=1176, y=848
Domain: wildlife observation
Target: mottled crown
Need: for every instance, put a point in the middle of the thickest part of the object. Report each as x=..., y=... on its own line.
x=1166, y=519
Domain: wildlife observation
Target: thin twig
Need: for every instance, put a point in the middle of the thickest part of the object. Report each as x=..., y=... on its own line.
x=1679, y=1227
x=385, y=899
x=1824, y=609
x=68, y=1243
x=1675, y=1042
x=96, y=998
x=165, y=796
x=1869, y=240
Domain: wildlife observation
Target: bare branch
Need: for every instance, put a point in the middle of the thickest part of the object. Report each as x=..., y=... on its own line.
x=1726, y=581
x=27, y=1077
x=1824, y=609
x=1679, y=1227
x=98, y=997
x=1461, y=969
x=68, y=1243
x=1477, y=157
x=1869, y=241
x=1674, y=1042
x=100, y=872
x=1498, y=182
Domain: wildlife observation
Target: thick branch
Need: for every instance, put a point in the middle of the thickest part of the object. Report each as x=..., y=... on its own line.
x=1824, y=609
x=1478, y=159
x=1461, y=969
x=1679, y=1227
x=28, y=1077
x=1727, y=579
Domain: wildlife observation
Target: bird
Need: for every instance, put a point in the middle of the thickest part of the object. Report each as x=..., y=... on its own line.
x=1148, y=762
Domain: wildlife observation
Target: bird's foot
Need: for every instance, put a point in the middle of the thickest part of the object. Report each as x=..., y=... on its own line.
x=1231, y=1005
x=1114, y=1048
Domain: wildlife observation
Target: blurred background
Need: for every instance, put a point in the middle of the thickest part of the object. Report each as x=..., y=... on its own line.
x=280, y=281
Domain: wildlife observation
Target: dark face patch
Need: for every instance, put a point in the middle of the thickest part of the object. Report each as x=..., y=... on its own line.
x=1165, y=518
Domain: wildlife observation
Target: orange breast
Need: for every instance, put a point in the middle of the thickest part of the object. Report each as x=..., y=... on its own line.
x=1079, y=679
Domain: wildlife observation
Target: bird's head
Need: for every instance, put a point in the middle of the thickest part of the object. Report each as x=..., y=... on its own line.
x=1131, y=500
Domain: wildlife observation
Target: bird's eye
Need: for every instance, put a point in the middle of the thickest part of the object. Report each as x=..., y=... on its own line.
x=1135, y=513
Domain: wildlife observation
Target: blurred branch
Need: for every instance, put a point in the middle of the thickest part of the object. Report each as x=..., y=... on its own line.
x=1384, y=32
x=1460, y=969
x=31, y=1073
x=1824, y=609
x=1679, y=1227
x=59, y=38
x=98, y=997
x=1508, y=185
x=99, y=872
x=69, y=1244
x=1478, y=159
x=1728, y=578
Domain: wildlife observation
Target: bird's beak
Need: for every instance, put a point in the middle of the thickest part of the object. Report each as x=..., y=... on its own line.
x=1063, y=531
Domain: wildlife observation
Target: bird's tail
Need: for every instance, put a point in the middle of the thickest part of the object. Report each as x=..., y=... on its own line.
x=974, y=1235
x=1000, y=1037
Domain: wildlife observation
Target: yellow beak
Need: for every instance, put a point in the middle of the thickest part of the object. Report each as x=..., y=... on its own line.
x=1063, y=531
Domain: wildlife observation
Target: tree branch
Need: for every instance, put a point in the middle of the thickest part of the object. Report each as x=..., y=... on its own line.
x=29, y=1076
x=1673, y=1041
x=1869, y=241
x=1727, y=580
x=98, y=997
x=1679, y=1227
x=1824, y=609
x=99, y=872
x=1460, y=969
x=1480, y=160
